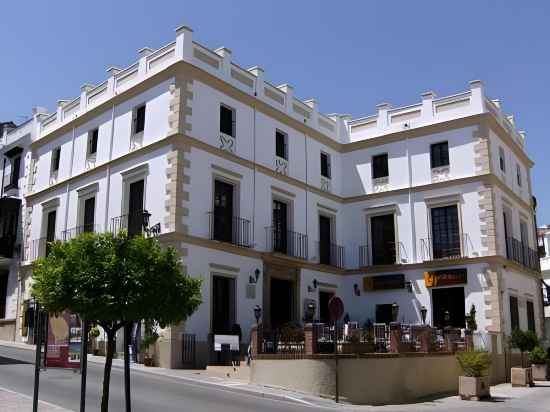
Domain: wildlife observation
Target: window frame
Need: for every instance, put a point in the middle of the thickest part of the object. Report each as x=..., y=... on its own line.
x=514, y=317
x=56, y=160
x=328, y=175
x=443, y=158
x=380, y=175
x=93, y=138
x=233, y=111
x=502, y=159
x=519, y=179
x=530, y=313
x=14, y=177
x=136, y=119
x=284, y=144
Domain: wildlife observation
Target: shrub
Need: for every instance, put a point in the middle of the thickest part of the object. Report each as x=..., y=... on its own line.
x=537, y=356
x=474, y=363
x=94, y=332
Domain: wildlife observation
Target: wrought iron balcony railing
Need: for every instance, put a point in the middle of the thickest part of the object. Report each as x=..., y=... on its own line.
x=331, y=254
x=134, y=223
x=393, y=254
x=522, y=254
x=290, y=243
x=37, y=248
x=455, y=246
x=235, y=230
x=77, y=230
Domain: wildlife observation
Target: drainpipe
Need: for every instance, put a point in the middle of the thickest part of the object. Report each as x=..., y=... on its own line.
x=106, y=220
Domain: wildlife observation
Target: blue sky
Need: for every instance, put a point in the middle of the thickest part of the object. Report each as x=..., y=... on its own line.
x=349, y=55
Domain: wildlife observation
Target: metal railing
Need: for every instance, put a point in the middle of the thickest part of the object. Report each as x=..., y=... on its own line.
x=331, y=254
x=37, y=248
x=364, y=256
x=395, y=253
x=522, y=254
x=285, y=341
x=134, y=223
x=77, y=230
x=235, y=230
x=290, y=243
x=455, y=246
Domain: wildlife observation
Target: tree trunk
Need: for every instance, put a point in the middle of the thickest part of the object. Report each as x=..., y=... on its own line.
x=107, y=371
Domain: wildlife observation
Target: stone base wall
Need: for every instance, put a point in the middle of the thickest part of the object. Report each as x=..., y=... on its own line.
x=7, y=329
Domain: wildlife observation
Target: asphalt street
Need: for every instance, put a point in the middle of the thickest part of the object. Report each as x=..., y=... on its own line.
x=158, y=393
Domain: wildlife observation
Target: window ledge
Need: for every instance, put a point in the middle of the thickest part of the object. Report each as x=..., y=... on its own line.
x=441, y=173
x=227, y=142
x=380, y=184
x=281, y=165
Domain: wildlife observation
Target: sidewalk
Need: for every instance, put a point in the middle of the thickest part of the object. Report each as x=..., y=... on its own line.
x=16, y=402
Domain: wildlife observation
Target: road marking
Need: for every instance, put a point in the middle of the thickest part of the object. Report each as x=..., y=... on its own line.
x=299, y=400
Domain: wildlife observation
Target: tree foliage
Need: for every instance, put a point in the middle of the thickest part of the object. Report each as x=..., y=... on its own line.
x=113, y=281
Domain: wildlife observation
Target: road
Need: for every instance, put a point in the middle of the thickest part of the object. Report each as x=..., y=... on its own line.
x=165, y=394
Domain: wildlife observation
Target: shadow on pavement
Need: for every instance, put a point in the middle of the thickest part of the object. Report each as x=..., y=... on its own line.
x=10, y=361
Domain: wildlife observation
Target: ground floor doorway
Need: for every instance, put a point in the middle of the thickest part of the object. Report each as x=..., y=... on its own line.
x=281, y=291
x=223, y=305
x=448, y=307
x=282, y=302
x=324, y=314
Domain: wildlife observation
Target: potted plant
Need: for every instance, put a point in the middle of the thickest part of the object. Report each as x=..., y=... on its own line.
x=93, y=335
x=145, y=347
x=474, y=384
x=525, y=342
x=539, y=364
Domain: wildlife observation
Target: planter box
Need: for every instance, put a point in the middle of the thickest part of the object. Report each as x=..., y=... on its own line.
x=522, y=377
x=470, y=388
x=540, y=372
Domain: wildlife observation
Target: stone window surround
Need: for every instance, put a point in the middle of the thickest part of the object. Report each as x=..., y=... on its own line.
x=443, y=201
x=84, y=194
x=226, y=176
x=131, y=176
x=47, y=207
x=370, y=212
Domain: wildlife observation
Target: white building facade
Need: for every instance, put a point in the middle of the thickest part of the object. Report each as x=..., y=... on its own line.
x=274, y=204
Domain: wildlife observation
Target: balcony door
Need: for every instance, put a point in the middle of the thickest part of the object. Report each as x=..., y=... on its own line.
x=280, y=226
x=324, y=239
x=135, y=208
x=50, y=229
x=445, y=232
x=383, y=239
x=89, y=215
x=223, y=211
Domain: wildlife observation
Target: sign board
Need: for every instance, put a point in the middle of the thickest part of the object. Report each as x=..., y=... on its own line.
x=64, y=341
x=384, y=282
x=335, y=308
x=447, y=277
x=231, y=340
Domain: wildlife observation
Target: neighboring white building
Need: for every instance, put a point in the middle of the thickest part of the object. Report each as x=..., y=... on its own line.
x=275, y=204
x=544, y=246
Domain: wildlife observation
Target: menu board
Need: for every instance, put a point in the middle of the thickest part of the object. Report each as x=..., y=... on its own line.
x=64, y=340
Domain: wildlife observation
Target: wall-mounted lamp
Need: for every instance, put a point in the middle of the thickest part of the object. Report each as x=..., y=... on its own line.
x=409, y=286
x=312, y=289
x=254, y=279
x=257, y=313
x=356, y=290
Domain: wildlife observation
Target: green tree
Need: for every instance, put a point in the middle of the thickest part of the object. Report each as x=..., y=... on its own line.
x=113, y=280
x=524, y=341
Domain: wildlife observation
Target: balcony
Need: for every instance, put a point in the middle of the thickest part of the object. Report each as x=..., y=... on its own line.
x=287, y=242
x=394, y=254
x=522, y=254
x=77, y=230
x=37, y=248
x=135, y=223
x=331, y=254
x=234, y=230
x=454, y=246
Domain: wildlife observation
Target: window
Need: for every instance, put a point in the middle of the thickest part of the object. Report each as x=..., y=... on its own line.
x=439, y=154
x=227, y=120
x=92, y=142
x=89, y=215
x=445, y=232
x=56, y=156
x=380, y=166
x=222, y=224
x=281, y=149
x=502, y=160
x=382, y=235
x=518, y=174
x=15, y=170
x=325, y=240
x=514, y=313
x=325, y=165
x=280, y=226
x=139, y=119
x=530, y=316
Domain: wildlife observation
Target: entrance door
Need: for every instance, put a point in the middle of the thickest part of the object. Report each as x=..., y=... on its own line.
x=324, y=297
x=223, y=211
x=282, y=302
x=280, y=222
x=324, y=239
x=449, y=300
x=383, y=240
x=223, y=304
x=135, y=208
x=445, y=232
x=89, y=214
